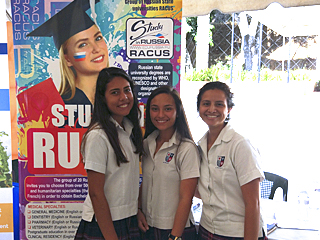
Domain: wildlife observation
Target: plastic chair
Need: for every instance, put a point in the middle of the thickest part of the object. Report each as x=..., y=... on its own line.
x=271, y=183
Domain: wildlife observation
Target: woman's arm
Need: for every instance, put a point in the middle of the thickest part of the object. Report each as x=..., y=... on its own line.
x=250, y=192
x=100, y=204
x=186, y=192
x=196, y=193
x=142, y=222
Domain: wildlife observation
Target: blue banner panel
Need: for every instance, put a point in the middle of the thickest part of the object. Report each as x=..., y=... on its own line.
x=4, y=100
x=3, y=48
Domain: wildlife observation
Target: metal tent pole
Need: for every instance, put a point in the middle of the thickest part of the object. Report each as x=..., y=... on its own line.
x=260, y=46
x=283, y=44
x=288, y=67
x=232, y=40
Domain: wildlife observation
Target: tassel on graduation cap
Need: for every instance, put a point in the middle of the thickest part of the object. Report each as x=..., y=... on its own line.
x=69, y=21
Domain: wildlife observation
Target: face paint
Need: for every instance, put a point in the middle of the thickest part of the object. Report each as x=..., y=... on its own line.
x=80, y=56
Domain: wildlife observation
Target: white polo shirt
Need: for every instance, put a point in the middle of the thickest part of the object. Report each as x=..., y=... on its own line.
x=162, y=174
x=230, y=163
x=121, y=186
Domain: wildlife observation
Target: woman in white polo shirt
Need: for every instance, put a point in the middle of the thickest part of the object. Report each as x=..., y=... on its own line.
x=111, y=149
x=230, y=172
x=170, y=170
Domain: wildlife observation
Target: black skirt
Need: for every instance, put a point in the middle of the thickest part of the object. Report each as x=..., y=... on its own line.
x=126, y=229
x=189, y=233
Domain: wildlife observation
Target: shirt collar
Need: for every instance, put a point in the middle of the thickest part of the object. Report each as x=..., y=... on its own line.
x=225, y=135
x=175, y=139
x=128, y=126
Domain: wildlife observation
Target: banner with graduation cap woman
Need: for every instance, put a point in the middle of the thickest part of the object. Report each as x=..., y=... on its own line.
x=60, y=46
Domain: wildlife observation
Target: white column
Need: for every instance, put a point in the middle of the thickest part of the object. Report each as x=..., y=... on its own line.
x=203, y=42
x=318, y=58
x=183, y=47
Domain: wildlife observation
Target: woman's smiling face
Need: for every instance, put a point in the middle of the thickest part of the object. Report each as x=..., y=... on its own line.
x=87, y=52
x=163, y=112
x=119, y=98
x=213, y=108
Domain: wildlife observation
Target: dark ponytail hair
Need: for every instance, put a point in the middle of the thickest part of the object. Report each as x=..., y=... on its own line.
x=101, y=115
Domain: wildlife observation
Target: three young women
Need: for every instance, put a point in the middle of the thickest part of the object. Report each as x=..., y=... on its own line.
x=111, y=149
x=170, y=170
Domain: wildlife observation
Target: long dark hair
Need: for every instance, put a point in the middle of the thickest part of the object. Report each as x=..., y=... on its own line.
x=101, y=114
x=181, y=123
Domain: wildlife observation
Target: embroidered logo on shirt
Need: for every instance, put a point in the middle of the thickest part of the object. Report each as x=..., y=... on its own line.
x=220, y=161
x=168, y=157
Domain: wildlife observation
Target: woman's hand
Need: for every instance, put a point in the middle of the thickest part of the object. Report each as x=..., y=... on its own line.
x=142, y=222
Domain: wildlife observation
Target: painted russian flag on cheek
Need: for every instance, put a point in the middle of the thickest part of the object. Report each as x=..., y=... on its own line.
x=80, y=56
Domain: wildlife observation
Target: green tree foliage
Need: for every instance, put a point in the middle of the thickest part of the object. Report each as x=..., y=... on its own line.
x=222, y=72
x=5, y=175
x=192, y=22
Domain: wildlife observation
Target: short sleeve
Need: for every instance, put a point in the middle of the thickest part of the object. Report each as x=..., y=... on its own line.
x=188, y=160
x=96, y=151
x=247, y=162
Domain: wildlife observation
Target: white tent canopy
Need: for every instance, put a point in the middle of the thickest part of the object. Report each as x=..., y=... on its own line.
x=286, y=17
x=293, y=21
x=192, y=8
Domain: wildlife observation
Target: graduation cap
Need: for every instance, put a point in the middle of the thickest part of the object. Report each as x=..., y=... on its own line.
x=67, y=22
